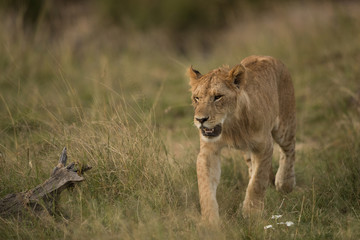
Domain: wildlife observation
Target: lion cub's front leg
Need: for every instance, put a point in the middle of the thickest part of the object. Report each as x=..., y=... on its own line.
x=259, y=180
x=208, y=174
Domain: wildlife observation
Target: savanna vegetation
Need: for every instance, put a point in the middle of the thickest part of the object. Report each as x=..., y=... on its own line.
x=108, y=82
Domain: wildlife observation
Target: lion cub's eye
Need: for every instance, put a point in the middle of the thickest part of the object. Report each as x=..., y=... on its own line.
x=218, y=97
x=196, y=99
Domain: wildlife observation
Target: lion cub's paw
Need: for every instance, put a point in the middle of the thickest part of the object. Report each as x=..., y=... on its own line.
x=252, y=208
x=285, y=186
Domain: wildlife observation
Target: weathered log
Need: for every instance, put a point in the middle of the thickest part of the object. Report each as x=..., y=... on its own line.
x=45, y=196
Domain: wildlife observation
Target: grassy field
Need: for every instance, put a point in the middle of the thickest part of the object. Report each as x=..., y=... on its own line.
x=119, y=101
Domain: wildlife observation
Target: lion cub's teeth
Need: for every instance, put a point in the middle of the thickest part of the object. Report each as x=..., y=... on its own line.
x=207, y=130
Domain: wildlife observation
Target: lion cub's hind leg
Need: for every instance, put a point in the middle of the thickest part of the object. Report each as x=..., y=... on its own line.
x=285, y=176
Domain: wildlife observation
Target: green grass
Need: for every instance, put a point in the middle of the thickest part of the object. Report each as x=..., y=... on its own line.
x=120, y=103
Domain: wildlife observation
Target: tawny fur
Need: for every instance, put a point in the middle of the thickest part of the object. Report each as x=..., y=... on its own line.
x=254, y=104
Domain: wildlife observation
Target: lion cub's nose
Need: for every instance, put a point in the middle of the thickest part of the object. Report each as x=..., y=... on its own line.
x=202, y=120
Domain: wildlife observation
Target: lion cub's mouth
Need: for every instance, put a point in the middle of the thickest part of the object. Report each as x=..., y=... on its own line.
x=211, y=132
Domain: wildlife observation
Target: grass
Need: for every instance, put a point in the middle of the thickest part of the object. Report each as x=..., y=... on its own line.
x=120, y=103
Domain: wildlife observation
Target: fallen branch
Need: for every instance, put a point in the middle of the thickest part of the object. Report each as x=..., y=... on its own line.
x=45, y=196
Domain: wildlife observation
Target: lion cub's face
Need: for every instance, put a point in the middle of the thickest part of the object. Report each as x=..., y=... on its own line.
x=214, y=97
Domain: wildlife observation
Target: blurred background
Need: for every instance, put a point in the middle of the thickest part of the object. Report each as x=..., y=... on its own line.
x=143, y=47
x=174, y=17
x=106, y=78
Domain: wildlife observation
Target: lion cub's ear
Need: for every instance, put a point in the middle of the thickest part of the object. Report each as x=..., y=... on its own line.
x=194, y=75
x=237, y=75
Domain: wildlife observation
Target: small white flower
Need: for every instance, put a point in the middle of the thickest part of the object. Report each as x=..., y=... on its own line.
x=276, y=216
x=268, y=226
x=289, y=223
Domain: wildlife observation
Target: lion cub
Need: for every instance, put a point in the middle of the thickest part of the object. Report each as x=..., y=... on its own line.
x=247, y=107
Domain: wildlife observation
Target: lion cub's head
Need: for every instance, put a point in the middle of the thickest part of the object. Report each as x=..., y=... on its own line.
x=214, y=97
